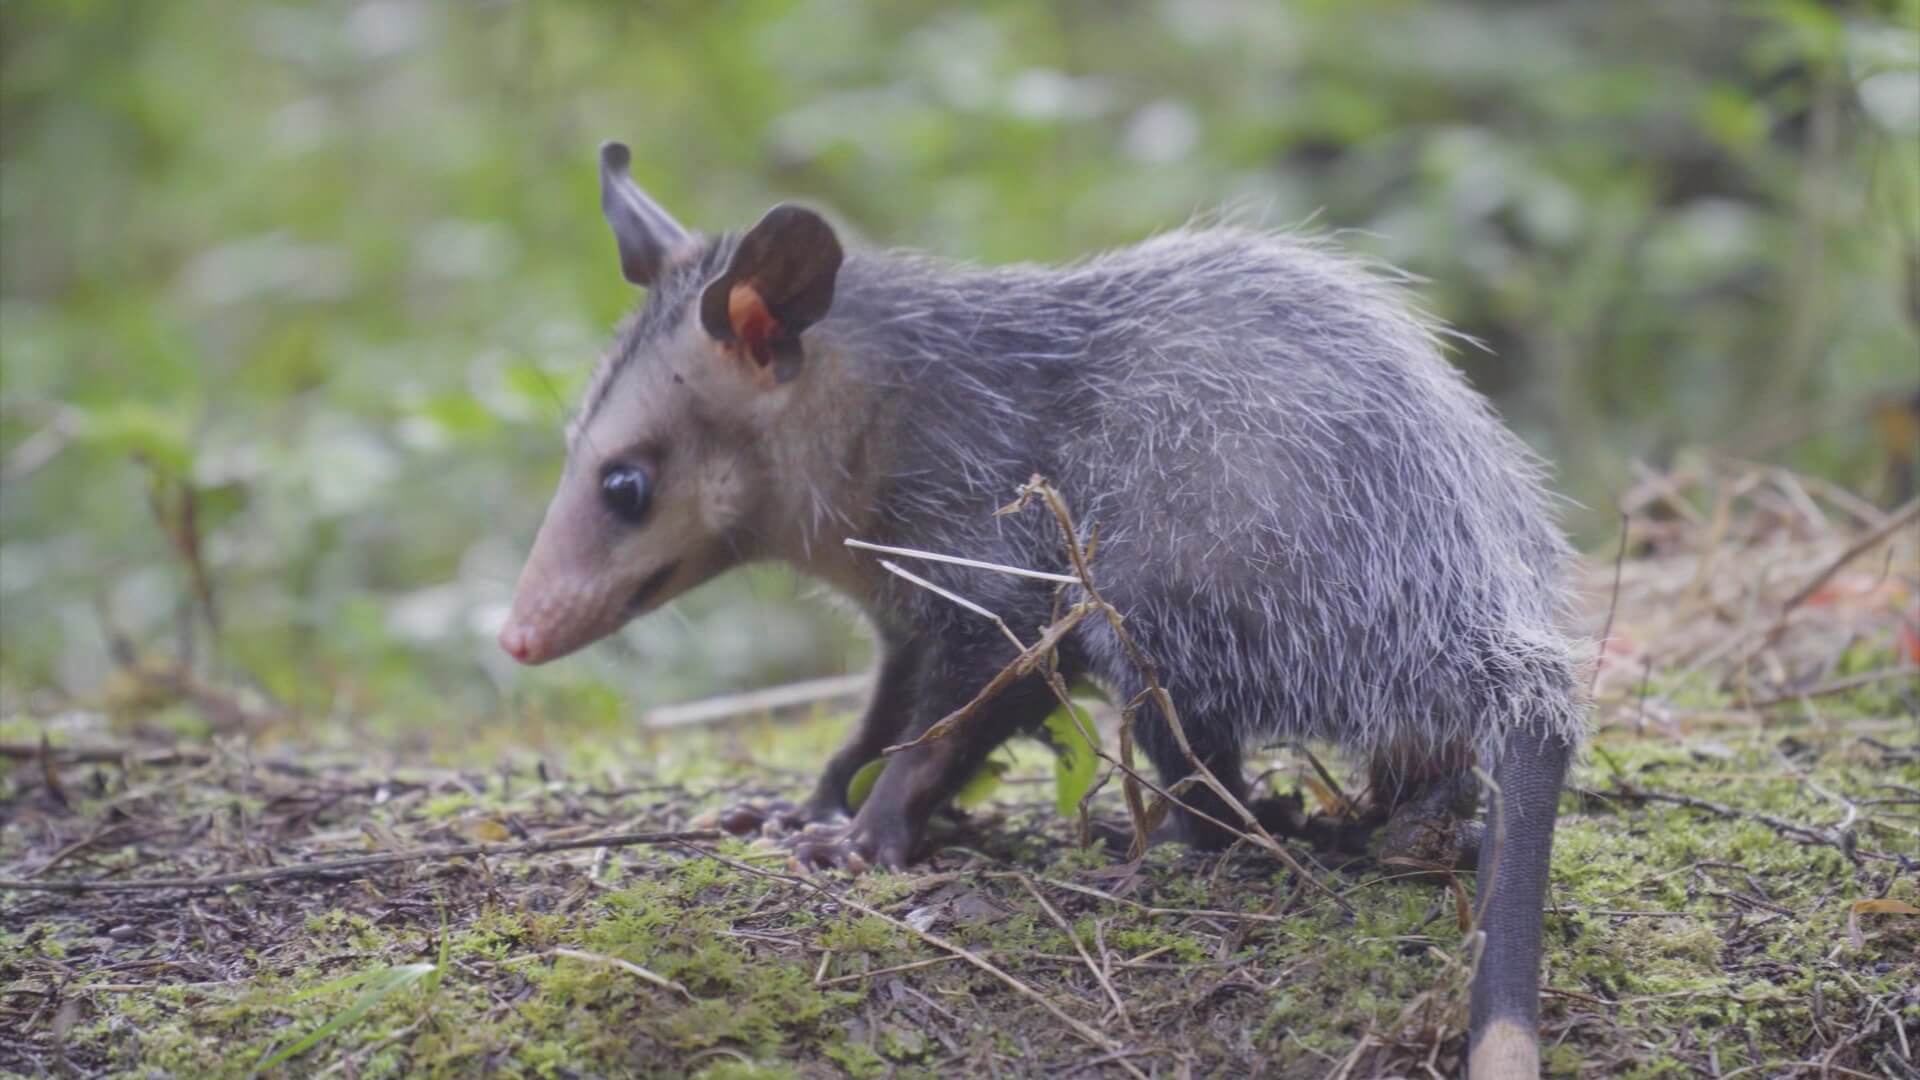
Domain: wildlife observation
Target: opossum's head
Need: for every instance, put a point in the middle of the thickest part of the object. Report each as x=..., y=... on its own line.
x=668, y=478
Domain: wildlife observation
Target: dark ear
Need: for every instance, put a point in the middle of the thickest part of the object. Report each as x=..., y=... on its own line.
x=779, y=283
x=648, y=236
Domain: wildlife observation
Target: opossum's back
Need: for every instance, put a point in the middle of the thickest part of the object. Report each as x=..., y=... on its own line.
x=1253, y=385
x=1307, y=508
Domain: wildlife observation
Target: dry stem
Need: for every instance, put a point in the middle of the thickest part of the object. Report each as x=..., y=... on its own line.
x=360, y=862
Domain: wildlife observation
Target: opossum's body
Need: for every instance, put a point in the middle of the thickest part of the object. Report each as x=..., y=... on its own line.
x=1313, y=526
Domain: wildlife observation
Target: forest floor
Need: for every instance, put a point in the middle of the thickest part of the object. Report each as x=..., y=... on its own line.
x=1734, y=887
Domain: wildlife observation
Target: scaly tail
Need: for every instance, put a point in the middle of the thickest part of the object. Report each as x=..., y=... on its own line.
x=1503, y=1035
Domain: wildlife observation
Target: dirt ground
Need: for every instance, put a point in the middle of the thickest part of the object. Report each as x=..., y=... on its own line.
x=1733, y=891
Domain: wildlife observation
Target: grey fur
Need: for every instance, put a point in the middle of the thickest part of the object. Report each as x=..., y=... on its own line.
x=1313, y=524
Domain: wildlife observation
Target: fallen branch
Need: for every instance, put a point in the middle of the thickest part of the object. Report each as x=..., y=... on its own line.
x=1905, y=515
x=1625, y=913
x=96, y=755
x=1157, y=693
x=1753, y=644
x=877, y=972
x=334, y=867
x=1613, y=602
x=956, y=560
x=1837, y=686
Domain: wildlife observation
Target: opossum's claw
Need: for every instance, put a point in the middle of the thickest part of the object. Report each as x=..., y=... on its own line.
x=828, y=847
x=849, y=846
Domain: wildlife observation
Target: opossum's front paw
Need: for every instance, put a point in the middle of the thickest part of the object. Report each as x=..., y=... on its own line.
x=854, y=847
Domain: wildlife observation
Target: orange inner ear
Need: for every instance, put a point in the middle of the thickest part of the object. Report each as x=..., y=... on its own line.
x=753, y=325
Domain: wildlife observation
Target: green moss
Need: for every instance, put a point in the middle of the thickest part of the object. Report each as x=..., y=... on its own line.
x=729, y=1069
x=858, y=1059
x=1145, y=937
x=861, y=933
x=446, y=806
x=747, y=948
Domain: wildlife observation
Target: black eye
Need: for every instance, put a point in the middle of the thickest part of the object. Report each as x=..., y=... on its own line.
x=624, y=489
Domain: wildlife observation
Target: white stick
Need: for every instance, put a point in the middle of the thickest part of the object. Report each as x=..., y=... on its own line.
x=956, y=560
x=757, y=701
x=901, y=571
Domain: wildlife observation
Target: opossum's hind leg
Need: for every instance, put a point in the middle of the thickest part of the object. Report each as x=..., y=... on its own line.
x=879, y=727
x=1204, y=819
x=1405, y=774
x=1436, y=828
x=1426, y=801
x=1504, y=1030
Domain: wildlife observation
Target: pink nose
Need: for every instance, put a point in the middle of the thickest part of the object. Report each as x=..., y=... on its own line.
x=519, y=642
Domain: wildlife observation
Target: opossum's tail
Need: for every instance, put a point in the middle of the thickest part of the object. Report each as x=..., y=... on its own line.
x=1504, y=1032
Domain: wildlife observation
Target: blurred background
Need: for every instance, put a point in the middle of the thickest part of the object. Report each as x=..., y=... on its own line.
x=297, y=297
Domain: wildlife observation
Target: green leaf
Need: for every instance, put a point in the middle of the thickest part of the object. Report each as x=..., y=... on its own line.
x=862, y=783
x=446, y=954
x=974, y=792
x=379, y=984
x=137, y=427
x=345, y=982
x=1074, y=762
x=980, y=787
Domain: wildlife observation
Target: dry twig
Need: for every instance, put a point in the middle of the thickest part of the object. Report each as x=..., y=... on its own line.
x=1907, y=514
x=333, y=867
x=1099, y=974
x=1838, y=838
x=97, y=755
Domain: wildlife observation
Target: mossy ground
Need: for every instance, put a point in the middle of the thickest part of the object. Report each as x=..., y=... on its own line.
x=1678, y=939
x=1712, y=848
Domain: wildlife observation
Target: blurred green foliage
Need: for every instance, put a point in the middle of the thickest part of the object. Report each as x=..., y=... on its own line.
x=331, y=273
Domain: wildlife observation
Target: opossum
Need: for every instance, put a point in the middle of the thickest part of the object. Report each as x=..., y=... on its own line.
x=1310, y=522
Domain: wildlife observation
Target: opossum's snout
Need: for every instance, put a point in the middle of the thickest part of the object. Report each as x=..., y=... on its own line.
x=519, y=642
x=549, y=622
x=591, y=569
x=553, y=618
